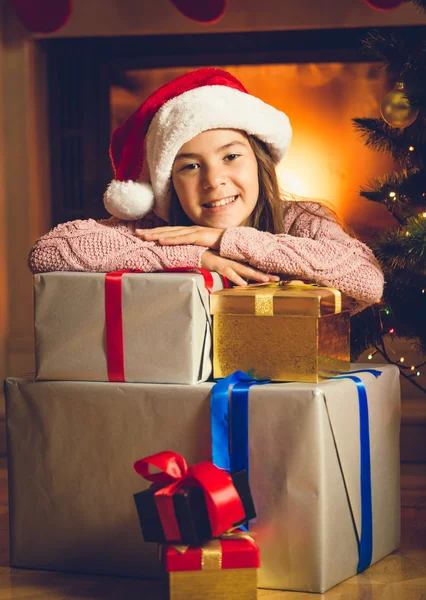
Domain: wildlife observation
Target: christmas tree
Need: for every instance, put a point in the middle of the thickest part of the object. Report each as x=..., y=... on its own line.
x=401, y=132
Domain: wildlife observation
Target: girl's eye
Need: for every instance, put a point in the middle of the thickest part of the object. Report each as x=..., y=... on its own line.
x=231, y=157
x=190, y=167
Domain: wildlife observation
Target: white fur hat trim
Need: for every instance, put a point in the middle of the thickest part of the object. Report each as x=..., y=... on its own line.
x=208, y=107
x=129, y=199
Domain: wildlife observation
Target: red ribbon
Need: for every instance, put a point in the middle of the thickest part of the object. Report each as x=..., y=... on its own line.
x=224, y=505
x=114, y=315
x=114, y=325
x=207, y=276
x=236, y=554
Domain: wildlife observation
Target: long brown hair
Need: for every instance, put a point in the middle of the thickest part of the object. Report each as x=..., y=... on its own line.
x=268, y=214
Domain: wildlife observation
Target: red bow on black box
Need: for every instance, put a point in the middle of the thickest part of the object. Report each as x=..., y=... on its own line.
x=189, y=505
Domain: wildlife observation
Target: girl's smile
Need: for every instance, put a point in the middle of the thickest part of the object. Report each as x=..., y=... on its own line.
x=214, y=205
x=215, y=176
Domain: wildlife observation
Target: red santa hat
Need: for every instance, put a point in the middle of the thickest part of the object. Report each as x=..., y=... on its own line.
x=144, y=147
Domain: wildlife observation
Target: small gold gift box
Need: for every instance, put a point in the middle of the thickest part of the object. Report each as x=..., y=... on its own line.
x=223, y=569
x=283, y=332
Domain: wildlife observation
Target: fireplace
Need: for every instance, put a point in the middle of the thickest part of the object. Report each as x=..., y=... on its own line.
x=321, y=79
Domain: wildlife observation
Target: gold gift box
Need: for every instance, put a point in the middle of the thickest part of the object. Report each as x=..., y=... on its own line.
x=217, y=570
x=227, y=584
x=282, y=332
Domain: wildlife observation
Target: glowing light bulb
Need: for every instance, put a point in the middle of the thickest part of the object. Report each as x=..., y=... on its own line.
x=392, y=330
x=411, y=148
x=401, y=359
x=370, y=356
x=423, y=291
x=418, y=373
x=387, y=311
x=407, y=233
x=412, y=368
x=392, y=194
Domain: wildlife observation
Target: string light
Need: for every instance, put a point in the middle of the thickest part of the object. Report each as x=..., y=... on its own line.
x=387, y=311
x=411, y=148
x=392, y=330
x=392, y=194
x=414, y=371
x=423, y=291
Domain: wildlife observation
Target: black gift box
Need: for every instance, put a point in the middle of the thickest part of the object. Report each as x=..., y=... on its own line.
x=190, y=510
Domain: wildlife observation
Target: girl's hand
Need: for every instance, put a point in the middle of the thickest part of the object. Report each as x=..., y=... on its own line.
x=233, y=270
x=209, y=237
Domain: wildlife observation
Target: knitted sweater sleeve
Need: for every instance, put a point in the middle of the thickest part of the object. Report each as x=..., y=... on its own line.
x=107, y=245
x=313, y=247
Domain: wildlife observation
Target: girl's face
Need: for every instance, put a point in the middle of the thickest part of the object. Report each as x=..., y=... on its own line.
x=216, y=180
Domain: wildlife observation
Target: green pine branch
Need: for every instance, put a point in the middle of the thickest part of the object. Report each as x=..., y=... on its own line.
x=403, y=193
x=400, y=187
x=392, y=52
x=381, y=137
x=418, y=3
x=402, y=252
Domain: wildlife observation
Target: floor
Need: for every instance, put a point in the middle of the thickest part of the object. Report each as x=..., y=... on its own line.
x=400, y=576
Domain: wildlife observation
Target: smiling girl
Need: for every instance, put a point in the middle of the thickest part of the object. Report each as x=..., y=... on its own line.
x=201, y=154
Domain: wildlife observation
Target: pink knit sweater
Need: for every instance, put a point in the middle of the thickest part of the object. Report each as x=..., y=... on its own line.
x=312, y=246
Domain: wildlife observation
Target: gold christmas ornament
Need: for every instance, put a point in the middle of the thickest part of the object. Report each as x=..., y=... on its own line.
x=396, y=109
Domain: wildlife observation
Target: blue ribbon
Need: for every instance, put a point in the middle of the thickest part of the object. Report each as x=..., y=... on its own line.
x=230, y=445
x=365, y=550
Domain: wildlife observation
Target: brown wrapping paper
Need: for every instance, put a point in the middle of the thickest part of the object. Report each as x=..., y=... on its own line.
x=294, y=332
x=71, y=447
x=166, y=326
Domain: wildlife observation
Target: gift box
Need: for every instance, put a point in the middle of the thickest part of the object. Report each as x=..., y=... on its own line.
x=281, y=332
x=221, y=569
x=152, y=327
x=192, y=504
x=71, y=447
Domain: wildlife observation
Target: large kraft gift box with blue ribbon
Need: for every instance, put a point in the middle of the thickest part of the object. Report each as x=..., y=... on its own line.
x=323, y=462
x=287, y=331
x=123, y=326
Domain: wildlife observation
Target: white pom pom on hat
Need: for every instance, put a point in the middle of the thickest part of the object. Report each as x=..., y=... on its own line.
x=144, y=147
x=129, y=199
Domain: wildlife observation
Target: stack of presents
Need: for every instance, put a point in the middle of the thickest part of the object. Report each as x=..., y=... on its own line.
x=217, y=436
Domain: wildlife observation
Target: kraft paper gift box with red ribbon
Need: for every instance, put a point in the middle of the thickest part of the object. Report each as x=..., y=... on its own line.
x=124, y=326
x=190, y=505
x=71, y=447
x=221, y=569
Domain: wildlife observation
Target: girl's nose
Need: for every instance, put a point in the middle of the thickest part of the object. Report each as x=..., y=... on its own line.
x=213, y=177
